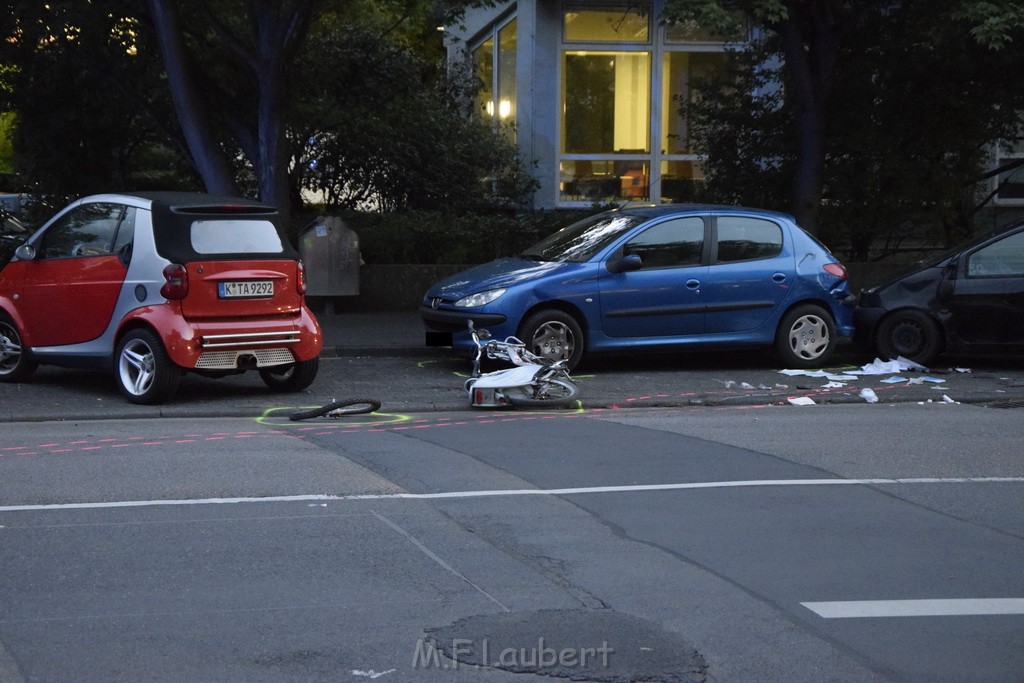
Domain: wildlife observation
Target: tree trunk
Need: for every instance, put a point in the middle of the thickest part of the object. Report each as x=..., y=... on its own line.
x=810, y=44
x=203, y=146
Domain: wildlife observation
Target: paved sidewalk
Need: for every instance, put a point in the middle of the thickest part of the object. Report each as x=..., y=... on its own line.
x=383, y=356
x=372, y=334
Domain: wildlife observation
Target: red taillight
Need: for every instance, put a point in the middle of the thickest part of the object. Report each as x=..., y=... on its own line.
x=176, y=285
x=301, y=281
x=837, y=269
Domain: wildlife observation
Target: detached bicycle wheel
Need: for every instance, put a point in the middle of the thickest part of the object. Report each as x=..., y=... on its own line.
x=348, y=406
x=550, y=393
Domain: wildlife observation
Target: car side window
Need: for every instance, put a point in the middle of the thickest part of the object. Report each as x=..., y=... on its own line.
x=1005, y=258
x=745, y=239
x=87, y=230
x=674, y=243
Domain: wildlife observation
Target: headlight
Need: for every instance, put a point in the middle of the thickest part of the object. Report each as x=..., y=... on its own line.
x=480, y=299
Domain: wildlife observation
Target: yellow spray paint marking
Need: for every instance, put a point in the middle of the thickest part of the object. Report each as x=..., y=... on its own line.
x=269, y=418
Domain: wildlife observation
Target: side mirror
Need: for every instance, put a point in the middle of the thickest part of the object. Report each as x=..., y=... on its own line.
x=948, y=282
x=25, y=252
x=626, y=264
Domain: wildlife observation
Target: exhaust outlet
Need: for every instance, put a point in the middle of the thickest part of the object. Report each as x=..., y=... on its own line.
x=247, y=362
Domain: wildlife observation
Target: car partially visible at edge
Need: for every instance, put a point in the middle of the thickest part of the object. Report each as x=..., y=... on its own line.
x=968, y=300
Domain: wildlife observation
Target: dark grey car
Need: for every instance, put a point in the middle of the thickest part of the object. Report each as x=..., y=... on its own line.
x=969, y=300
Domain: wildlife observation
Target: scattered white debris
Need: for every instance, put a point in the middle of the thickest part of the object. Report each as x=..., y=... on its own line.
x=833, y=385
x=896, y=379
x=371, y=674
x=947, y=399
x=744, y=385
x=885, y=367
x=963, y=370
x=869, y=395
x=801, y=401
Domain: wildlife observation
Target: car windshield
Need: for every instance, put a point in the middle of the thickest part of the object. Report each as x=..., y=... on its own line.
x=580, y=241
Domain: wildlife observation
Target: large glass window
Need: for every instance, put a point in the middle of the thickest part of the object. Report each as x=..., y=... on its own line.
x=611, y=25
x=506, y=105
x=483, y=66
x=607, y=102
x=495, y=64
x=681, y=73
x=624, y=134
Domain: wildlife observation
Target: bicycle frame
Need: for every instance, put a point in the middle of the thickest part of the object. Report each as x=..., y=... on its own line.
x=530, y=373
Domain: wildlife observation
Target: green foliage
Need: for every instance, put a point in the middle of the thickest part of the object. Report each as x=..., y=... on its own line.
x=907, y=128
x=6, y=149
x=382, y=128
x=994, y=23
x=81, y=83
x=367, y=90
x=431, y=237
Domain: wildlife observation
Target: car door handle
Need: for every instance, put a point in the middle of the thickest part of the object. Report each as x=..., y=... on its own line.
x=779, y=277
x=693, y=284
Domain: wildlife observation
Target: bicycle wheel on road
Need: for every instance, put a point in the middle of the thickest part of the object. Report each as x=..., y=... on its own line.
x=549, y=393
x=339, y=408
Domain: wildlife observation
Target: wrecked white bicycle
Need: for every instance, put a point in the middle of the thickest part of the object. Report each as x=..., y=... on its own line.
x=533, y=381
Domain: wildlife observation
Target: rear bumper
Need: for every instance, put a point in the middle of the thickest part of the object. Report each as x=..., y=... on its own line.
x=220, y=344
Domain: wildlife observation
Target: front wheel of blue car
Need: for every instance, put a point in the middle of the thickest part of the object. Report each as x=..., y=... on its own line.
x=555, y=335
x=806, y=337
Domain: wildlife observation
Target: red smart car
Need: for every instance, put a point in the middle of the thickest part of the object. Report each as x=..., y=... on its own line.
x=153, y=285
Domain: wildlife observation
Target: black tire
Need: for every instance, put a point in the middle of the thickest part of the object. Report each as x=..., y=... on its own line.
x=806, y=337
x=550, y=393
x=554, y=334
x=911, y=334
x=291, y=378
x=348, y=406
x=16, y=365
x=143, y=371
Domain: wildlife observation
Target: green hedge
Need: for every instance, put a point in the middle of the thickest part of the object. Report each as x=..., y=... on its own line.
x=422, y=237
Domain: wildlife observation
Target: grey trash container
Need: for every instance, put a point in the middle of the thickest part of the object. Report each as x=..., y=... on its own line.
x=330, y=251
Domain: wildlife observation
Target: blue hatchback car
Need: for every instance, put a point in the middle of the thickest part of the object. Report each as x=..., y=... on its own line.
x=666, y=277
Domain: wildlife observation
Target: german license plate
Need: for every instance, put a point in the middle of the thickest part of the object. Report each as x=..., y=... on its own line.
x=245, y=289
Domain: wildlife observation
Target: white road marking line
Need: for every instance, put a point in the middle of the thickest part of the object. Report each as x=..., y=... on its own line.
x=764, y=483
x=433, y=556
x=855, y=609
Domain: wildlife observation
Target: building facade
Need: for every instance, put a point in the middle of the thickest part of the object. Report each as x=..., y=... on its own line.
x=594, y=94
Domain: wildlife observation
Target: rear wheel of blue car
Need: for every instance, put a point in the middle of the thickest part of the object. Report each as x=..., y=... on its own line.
x=910, y=334
x=806, y=337
x=553, y=334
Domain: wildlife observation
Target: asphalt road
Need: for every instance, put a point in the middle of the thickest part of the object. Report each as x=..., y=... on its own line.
x=719, y=542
